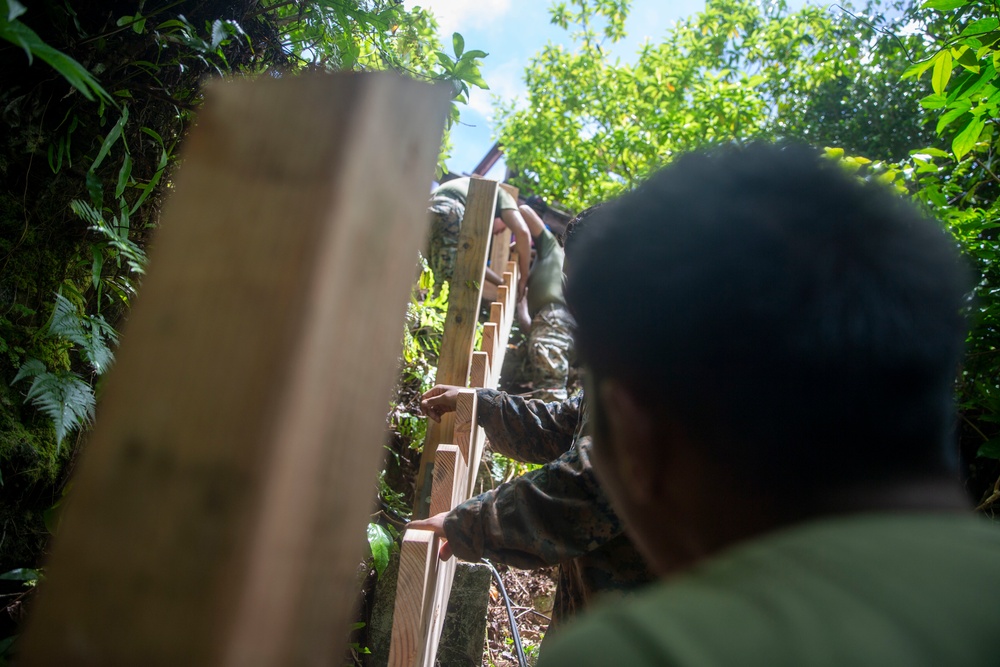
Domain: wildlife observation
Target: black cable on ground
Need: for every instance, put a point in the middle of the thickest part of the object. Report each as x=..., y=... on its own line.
x=510, y=616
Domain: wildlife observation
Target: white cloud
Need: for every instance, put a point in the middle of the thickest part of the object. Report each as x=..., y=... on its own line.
x=505, y=82
x=459, y=15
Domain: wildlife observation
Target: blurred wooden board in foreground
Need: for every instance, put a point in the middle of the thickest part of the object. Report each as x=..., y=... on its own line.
x=218, y=512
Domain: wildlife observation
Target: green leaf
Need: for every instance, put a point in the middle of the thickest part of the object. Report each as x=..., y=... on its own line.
x=917, y=69
x=981, y=26
x=97, y=266
x=123, y=175
x=990, y=449
x=934, y=101
x=942, y=71
x=75, y=74
x=945, y=5
x=956, y=110
x=933, y=152
x=380, y=542
x=967, y=138
x=458, y=42
x=20, y=574
x=109, y=141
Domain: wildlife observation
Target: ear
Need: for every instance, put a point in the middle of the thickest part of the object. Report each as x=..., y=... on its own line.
x=631, y=433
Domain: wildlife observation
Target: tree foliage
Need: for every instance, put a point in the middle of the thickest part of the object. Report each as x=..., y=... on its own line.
x=737, y=71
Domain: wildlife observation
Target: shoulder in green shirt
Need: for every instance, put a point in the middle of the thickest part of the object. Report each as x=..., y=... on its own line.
x=871, y=590
x=458, y=189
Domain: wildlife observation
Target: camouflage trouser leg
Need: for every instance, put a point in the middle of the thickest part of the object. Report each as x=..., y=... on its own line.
x=446, y=221
x=549, y=345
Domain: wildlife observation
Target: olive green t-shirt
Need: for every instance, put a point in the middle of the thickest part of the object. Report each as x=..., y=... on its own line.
x=545, y=284
x=915, y=590
x=458, y=189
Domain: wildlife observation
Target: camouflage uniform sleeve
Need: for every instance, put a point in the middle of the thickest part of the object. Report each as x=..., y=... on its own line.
x=528, y=430
x=544, y=517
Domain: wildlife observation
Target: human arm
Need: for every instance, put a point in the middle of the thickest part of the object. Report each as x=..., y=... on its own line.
x=435, y=524
x=522, y=243
x=524, y=429
x=528, y=430
x=539, y=519
x=531, y=218
x=492, y=276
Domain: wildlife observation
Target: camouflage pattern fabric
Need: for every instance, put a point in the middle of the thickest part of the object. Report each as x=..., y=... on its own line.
x=446, y=220
x=557, y=514
x=549, y=344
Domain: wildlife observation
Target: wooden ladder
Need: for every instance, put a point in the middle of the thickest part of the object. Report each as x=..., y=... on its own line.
x=453, y=449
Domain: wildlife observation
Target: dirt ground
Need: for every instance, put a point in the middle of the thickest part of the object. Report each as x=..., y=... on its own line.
x=531, y=594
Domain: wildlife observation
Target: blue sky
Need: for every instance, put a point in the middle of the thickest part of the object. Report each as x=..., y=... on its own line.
x=512, y=31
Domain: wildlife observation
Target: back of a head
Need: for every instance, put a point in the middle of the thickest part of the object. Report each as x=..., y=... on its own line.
x=805, y=328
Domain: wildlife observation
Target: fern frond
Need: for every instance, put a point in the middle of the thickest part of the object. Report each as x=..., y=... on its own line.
x=65, y=398
x=66, y=321
x=97, y=350
x=91, y=333
x=133, y=254
x=29, y=369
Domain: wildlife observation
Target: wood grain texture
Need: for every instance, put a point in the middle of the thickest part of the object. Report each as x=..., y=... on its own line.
x=489, y=345
x=465, y=421
x=210, y=517
x=460, y=320
x=479, y=375
x=447, y=471
x=415, y=586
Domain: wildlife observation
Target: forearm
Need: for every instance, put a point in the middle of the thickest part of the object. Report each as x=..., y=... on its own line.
x=542, y=518
x=492, y=276
x=527, y=429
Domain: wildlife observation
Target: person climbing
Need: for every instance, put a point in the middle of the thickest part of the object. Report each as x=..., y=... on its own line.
x=555, y=515
x=543, y=316
x=447, y=210
x=776, y=431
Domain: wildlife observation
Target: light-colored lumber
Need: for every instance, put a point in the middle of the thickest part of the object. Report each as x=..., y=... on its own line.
x=460, y=320
x=449, y=464
x=479, y=375
x=415, y=587
x=451, y=475
x=489, y=345
x=503, y=292
x=217, y=513
x=465, y=423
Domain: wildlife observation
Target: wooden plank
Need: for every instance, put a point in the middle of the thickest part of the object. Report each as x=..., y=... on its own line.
x=500, y=250
x=415, y=586
x=460, y=321
x=479, y=376
x=449, y=464
x=489, y=345
x=496, y=313
x=217, y=512
x=503, y=292
x=465, y=421
x=450, y=487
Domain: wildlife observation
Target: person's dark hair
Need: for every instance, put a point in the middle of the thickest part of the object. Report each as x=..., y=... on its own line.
x=576, y=225
x=537, y=204
x=805, y=328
